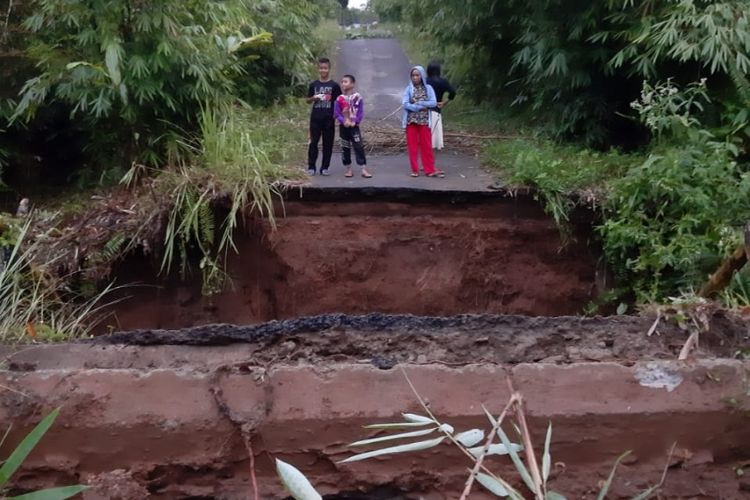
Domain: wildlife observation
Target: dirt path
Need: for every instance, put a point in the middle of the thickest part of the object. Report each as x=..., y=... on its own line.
x=382, y=72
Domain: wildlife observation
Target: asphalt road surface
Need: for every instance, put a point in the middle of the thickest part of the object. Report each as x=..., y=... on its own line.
x=382, y=72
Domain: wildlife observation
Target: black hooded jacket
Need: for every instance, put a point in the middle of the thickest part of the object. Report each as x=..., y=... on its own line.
x=439, y=84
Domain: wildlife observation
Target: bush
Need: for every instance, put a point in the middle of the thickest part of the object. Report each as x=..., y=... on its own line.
x=36, y=304
x=236, y=161
x=671, y=219
x=135, y=76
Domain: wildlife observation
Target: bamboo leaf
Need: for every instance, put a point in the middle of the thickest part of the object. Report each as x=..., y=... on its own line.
x=76, y=64
x=397, y=425
x=263, y=38
x=112, y=61
x=446, y=428
x=511, y=449
x=404, y=448
x=413, y=417
x=470, y=438
x=495, y=449
x=516, y=460
x=22, y=451
x=553, y=495
x=295, y=482
x=402, y=435
x=491, y=484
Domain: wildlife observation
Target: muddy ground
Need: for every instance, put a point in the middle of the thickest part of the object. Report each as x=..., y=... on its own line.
x=502, y=256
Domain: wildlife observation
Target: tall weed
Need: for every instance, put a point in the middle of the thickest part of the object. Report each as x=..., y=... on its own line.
x=240, y=161
x=35, y=304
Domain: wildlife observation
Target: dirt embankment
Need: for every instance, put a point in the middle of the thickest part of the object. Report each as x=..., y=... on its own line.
x=503, y=256
x=176, y=414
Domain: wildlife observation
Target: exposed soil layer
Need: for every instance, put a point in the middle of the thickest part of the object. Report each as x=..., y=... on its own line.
x=171, y=431
x=176, y=414
x=492, y=255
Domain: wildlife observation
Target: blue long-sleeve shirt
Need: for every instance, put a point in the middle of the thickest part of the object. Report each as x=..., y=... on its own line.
x=430, y=102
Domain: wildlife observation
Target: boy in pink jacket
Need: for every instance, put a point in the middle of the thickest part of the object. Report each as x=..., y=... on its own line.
x=349, y=109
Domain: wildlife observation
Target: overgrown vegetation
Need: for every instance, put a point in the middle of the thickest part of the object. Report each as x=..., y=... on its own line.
x=187, y=103
x=131, y=79
x=671, y=219
x=232, y=161
x=577, y=66
x=36, y=303
x=563, y=174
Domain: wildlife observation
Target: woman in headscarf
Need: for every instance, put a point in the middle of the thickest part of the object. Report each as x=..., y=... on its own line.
x=418, y=99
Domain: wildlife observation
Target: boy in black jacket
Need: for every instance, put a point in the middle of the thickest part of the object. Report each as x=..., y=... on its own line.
x=322, y=93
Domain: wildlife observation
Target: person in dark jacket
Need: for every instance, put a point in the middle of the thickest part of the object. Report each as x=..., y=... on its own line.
x=441, y=87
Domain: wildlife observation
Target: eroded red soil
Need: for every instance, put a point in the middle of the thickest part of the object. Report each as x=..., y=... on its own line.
x=501, y=257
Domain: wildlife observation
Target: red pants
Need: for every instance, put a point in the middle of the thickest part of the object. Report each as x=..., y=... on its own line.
x=419, y=139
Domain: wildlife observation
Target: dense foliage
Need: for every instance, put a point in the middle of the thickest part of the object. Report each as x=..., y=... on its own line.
x=130, y=77
x=576, y=64
x=673, y=217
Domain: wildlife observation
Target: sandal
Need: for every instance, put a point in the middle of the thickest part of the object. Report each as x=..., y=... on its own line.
x=367, y=176
x=414, y=175
x=437, y=173
x=349, y=173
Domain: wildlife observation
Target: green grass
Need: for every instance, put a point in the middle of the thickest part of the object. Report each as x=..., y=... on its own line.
x=563, y=175
x=239, y=160
x=36, y=305
x=278, y=133
x=556, y=167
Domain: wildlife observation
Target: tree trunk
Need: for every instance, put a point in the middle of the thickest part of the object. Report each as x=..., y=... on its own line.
x=723, y=275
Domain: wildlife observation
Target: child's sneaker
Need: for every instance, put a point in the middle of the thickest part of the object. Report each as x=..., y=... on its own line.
x=311, y=171
x=324, y=171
